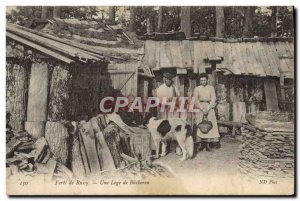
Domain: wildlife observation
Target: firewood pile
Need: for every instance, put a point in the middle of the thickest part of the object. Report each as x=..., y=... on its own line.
x=27, y=156
x=268, y=147
x=85, y=149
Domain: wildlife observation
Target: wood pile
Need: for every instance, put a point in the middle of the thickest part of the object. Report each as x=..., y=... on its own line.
x=27, y=156
x=85, y=149
x=266, y=152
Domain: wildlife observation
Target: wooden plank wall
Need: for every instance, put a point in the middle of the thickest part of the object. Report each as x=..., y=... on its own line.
x=119, y=73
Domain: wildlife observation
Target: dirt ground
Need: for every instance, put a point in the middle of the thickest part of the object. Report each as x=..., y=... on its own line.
x=219, y=161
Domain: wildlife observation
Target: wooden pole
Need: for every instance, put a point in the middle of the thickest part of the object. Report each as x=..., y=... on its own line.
x=37, y=100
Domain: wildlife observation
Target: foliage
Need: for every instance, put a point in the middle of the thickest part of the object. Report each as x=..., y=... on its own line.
x=23, y=14
x=79, y=12
x=234, y=17
x=203, y=19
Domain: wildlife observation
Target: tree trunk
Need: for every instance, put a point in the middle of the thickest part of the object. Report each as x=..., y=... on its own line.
x=149, y=26
x=16, y=89
x=185, y=20
x=247, y=29
x=132, y=18
x=56, y=12
x=59, y=142
x=60, y=92
x=37, y=100
x=44, y=12
x=220, y=22
x=160, y=15
x=275, y=23
x=112, y=14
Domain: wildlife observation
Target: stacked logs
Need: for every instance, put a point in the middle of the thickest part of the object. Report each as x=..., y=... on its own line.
x=268, y=153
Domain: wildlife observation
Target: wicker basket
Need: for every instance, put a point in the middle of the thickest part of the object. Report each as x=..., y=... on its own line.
x=205, y=126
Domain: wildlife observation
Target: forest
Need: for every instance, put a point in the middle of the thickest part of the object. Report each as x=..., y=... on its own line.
x=223, y=22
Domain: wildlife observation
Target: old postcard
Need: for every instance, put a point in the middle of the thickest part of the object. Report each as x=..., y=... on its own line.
x=150, y=100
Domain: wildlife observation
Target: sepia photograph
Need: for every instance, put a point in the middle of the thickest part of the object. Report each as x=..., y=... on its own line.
x=150, y=100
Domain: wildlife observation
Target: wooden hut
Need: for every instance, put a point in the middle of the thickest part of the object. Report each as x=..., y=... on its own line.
x=52, y=80
x=252, y=74
x=49, y=80
x=249, y=74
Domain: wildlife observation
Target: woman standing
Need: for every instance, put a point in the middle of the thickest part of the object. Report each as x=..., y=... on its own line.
x=205, y=101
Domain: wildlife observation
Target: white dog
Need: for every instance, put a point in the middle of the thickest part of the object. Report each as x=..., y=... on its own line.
x=163, y=130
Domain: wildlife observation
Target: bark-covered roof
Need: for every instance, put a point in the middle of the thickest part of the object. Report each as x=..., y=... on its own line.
x=68, y=48
x=255, y=57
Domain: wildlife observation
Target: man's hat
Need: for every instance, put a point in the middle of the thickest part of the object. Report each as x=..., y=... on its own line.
x=168, y=75
x=203, y=75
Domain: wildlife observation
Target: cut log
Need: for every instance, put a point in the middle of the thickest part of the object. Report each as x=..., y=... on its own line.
x=104, y=154
x=35, y=128
x=16, y=89
x=271, y=95
x=83, y=153
x=129, y=159
x=89, y=143
x=40, y=148
x=60, y=90
x=58, y=139
x=112, y=137
x=37, y=97
x=38, y=92
x=11, y=146
x=77, y=162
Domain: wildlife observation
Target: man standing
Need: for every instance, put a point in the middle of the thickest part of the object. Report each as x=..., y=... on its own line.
x=168, y=94
x=165, y=93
